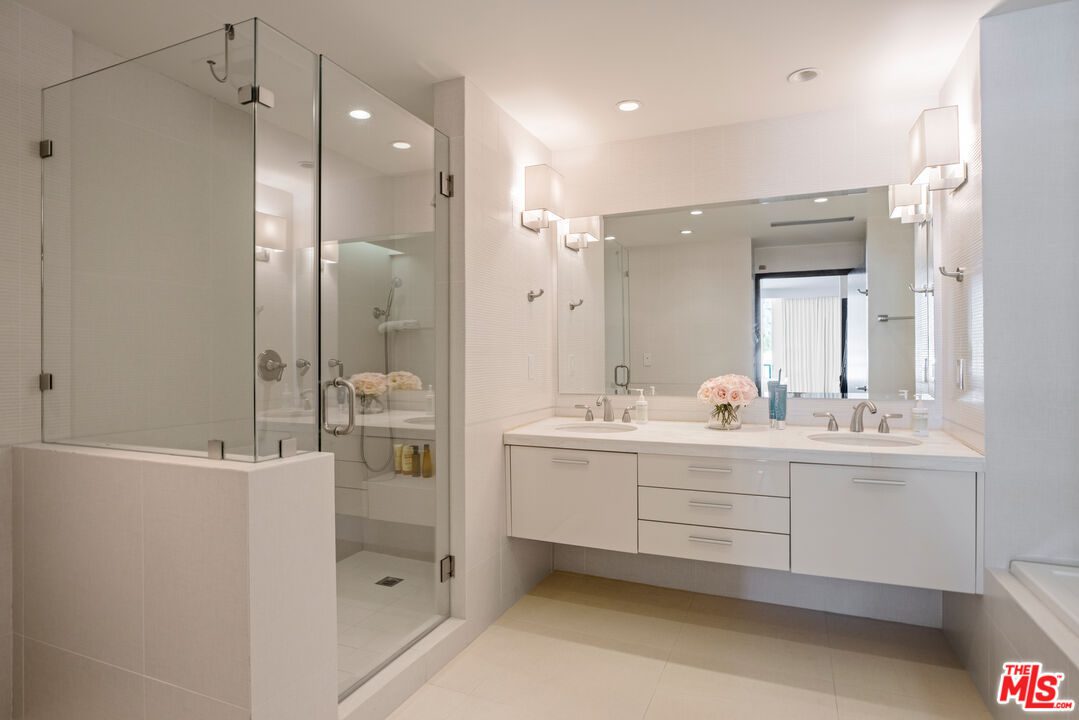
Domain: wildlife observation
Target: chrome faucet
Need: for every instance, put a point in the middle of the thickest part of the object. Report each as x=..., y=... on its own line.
x=588, y=416
x=859, y=410
x=608, y=411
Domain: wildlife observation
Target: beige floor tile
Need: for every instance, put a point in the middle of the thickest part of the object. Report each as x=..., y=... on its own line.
x=890, y=640
x=867, y=677
x=756, y=700
x=741, y=654
x=616, y=620
x=896, y=707
x=592, y=648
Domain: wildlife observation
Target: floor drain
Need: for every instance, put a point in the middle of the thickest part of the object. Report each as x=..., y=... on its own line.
x=389, y=581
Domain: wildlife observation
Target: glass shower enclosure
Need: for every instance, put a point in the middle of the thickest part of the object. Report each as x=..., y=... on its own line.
x=178, y=242
x=244, y=256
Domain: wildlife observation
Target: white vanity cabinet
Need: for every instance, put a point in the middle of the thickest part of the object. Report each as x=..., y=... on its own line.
x=781, y=501
x=574, y=497
x=887, y=525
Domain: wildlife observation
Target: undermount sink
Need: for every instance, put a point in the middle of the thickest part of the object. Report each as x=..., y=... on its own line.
x=422, y=420
x=864, y=440
x=597, y=427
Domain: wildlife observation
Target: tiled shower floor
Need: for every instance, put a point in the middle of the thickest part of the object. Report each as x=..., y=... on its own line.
x=375, y=622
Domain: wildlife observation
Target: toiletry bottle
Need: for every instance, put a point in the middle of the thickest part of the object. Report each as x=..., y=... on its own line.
x=919, y=419
x=772, y=402
x=640, y=409
x=428, y=462
x=398, y=456
x=429, y=400
x=416, y=461
x=781, y=406
x=406, y=460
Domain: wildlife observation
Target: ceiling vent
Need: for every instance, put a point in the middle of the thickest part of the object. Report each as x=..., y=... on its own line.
x=822, y=221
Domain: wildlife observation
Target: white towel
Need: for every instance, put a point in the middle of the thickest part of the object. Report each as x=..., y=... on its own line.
x=396, y=325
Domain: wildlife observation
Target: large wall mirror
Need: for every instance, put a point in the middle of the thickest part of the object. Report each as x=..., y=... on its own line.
x=827, y=289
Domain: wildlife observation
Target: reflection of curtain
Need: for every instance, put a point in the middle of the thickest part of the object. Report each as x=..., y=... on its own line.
x=806, y=343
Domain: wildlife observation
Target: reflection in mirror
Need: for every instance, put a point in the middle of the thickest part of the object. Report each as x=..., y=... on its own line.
x=818, y=287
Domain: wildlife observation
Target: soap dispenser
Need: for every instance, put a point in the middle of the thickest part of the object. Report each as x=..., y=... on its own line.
x=640, y=408
x=920, y=418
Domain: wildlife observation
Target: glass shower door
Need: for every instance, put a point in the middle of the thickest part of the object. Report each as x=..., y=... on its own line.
x=383, y=369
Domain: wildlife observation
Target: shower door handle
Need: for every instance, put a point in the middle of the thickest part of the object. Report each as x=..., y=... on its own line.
x=338, y=430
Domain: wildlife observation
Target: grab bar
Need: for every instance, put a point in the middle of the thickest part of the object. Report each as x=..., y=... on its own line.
x=338, y=430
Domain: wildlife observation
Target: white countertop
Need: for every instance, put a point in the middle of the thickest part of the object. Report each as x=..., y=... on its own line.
x=939, y=451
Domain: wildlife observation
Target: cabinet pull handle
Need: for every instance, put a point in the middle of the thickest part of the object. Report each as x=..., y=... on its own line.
x=714, y=506
x=710, y=541
x=569, y=461
x=871, y=481
x=698, y=468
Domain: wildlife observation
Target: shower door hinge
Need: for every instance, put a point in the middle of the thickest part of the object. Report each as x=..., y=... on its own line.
x=44, y=381
x=44, y=149
x=447, y=567
x=256, y=94
x=445, y=184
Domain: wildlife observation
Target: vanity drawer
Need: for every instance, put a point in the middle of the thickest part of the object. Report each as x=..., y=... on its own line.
x=686, y=472
x=694, y=507
x=902, y=527
x=735, y=547
x=574, y=497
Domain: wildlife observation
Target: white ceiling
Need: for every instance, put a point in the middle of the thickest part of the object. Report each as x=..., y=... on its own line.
x=559, y=66
x=753, y=220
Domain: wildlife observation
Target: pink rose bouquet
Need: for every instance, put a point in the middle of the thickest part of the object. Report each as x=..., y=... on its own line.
x=728, y=394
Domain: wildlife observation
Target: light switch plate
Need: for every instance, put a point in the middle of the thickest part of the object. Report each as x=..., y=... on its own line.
x=647, y=360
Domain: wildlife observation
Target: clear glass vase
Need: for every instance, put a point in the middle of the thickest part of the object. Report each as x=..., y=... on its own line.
x=726, y=417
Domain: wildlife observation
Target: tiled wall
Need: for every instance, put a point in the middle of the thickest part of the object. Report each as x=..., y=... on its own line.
x=957, y=239
x=494, y=263
x=1030, y=127
x=34, y=52
x=164, y=587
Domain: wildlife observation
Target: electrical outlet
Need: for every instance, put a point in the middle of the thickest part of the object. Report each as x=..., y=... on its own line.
x=647, y=360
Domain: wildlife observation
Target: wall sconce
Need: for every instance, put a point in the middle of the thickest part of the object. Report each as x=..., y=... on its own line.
x=934, y=150
x=271, y=235
x=543, y=197
x=908, y=203
x=582, y=232
x=330, y=253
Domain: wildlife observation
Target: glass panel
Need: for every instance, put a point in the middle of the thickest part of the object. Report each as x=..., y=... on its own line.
x=148, y=219
x=383, y=326
x=286, y=138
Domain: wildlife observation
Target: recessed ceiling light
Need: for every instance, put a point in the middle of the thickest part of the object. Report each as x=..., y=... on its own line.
x=402, y=145
x=359, y=114
x=687, y=232
x=803, y=75
x=696, y=212
x=609, y=237
x=820, y=200
x=629, y=105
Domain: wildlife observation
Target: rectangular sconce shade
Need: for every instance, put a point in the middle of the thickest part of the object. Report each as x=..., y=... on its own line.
x=543, y=197
x=330, y=252
x=583, y=231
x=271, y=232
x=908, y=203
x=934, y=149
